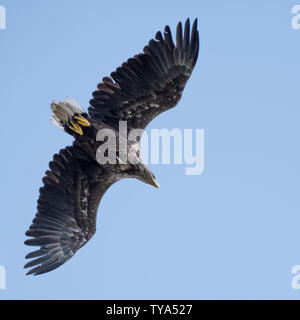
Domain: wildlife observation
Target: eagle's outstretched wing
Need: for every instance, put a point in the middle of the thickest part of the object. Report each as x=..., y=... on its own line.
x=150, y=83
x=67, y=209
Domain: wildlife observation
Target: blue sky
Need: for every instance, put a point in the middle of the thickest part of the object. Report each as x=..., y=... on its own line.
x=230, y=233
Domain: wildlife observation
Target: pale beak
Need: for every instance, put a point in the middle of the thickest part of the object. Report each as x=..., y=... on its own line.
x=155, y=184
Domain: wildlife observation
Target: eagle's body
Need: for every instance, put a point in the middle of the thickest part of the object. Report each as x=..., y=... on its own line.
x=142, y=88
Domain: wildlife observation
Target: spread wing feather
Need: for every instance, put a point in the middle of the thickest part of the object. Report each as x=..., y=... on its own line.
x=67, y=209
x=149, y=83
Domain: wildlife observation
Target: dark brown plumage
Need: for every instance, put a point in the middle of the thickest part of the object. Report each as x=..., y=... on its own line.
x=139, y=90
x=149, y=83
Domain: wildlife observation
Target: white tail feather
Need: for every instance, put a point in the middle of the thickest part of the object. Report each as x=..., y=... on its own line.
x=74, y=104
x=56, y=122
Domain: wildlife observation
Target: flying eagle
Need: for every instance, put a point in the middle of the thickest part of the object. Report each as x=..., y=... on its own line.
x=142, y=88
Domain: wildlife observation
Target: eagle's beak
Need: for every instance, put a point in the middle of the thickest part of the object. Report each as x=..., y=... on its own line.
x=155, y=184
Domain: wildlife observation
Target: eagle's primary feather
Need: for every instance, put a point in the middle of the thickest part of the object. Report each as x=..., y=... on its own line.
x=149, y=83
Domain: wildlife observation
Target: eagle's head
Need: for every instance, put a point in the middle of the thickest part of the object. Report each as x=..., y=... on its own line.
x=145, y=175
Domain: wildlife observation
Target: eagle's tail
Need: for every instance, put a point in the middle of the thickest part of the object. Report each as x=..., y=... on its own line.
x=69, y=115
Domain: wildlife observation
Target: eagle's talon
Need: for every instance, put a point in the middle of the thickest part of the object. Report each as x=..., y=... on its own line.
x=76, y=127
x=82, y=121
